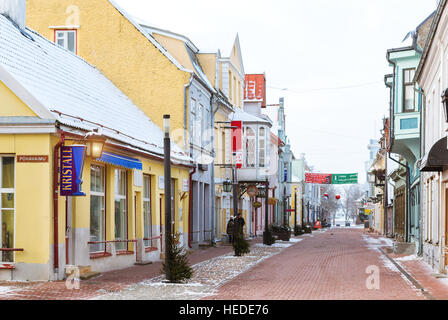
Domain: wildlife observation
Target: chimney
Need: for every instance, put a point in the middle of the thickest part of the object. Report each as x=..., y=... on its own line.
x=15, y=10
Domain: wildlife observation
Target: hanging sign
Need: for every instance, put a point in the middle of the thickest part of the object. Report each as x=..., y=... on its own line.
x=237, y=144
x=351, y=178
x=72, y=165
x=318, y=178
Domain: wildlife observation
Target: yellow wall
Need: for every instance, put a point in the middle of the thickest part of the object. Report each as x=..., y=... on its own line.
x=11, y=105
x=110, y=42
x=208, y=64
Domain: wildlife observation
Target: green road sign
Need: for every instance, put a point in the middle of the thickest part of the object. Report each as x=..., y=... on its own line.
x=351, y=178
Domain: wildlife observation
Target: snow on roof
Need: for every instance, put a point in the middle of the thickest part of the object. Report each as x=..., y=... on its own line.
x=149, y=37
x=55, y=79
x=240, y=115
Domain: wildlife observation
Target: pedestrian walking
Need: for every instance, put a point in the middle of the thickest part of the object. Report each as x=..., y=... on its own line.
x=230, y=229
x=240, y=244
x=239, y=222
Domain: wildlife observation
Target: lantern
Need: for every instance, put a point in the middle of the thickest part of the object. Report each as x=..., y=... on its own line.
x=227, y=186
x=94, y=145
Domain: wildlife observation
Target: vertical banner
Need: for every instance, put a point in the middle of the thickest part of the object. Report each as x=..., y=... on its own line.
x=71, y=168
x=255, y=88
x=237, y=143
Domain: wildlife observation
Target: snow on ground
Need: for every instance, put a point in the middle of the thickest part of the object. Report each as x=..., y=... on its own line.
x=6, y=290
x=409, y=258
x=208, y=276
x=375, y=243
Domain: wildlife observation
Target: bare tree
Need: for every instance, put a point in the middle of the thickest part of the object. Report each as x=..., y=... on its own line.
x=351, y=195
x=329, y=205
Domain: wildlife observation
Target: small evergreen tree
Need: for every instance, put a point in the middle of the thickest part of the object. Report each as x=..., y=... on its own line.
x=240, y=244
x=178, y=269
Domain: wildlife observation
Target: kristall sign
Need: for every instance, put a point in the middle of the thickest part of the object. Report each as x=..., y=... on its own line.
x=237, y=143
x=72, y=164
x=255, y=88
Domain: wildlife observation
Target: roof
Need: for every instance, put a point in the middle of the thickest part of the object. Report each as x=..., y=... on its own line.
x=190, y=51
x=240, y=115
x=148, y=36
x=430, y=38
x=58, y=85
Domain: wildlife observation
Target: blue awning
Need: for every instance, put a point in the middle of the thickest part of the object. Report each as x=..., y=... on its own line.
x=121, y=161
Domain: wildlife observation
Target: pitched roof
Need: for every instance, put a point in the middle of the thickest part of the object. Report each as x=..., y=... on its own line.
x=240, y=115
x=56, y=84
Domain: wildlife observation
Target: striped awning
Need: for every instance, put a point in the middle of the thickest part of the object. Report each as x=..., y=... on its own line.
x=121, y=161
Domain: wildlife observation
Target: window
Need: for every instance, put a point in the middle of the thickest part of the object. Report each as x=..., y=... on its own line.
x=230, y=86
x=408, y=90
x=66, y=39
x=121, y=214
x=7, y=207
x=147, y=223
x=250, y=147
x=195, y=123
x=262, y=148
x=97, y=207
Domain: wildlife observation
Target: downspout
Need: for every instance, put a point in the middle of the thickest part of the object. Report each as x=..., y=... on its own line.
x=55, y=204
x=187, y=86
x=190, y=208
x=187, y=149
x=212, y=126
x=422, y=153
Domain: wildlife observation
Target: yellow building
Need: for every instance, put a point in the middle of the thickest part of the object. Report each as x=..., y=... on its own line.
x=158, y=71
x=51, y=98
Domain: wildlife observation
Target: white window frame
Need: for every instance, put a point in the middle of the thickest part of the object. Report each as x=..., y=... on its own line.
x=7, y=191
x=103, y=196
x=149, y=202
x=253, y=155
x=119, y=197
x=63, y=35
x=262, y=151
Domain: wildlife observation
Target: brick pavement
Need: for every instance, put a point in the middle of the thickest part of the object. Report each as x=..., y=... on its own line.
x=328, y=266
x=107, y=282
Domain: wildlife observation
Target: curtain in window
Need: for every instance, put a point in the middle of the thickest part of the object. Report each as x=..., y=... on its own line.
x=250, y=147
x=120, y=209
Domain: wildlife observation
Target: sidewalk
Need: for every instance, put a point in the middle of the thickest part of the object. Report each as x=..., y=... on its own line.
x=107, y=282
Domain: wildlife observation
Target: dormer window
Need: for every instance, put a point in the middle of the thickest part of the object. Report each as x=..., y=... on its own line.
x=66, y=39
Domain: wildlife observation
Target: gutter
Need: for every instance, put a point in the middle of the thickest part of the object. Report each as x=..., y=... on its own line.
x=190, y=209
x=212, y=136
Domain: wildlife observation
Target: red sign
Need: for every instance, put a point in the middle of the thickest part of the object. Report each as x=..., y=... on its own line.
x=318, y=178
x=255, y=88
x=237, y=143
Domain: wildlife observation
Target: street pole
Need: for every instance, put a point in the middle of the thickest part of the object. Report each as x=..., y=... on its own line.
x=295, y=210
x=167, y=167
x=266, y=218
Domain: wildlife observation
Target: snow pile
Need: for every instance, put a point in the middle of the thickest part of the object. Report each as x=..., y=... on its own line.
x=375, y=243
x=208, y=276
x=6, y=290
x=409, y=258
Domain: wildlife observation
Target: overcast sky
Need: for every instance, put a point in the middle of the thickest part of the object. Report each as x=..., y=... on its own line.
x=329, y=54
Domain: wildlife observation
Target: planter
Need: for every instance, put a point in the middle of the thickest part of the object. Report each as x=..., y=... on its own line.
x=281, y=233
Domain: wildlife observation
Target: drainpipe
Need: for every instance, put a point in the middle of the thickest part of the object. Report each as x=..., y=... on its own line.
x=422, y=152
x=212, y=136
x=187, y=86
x=190, y=209
x=55, y=204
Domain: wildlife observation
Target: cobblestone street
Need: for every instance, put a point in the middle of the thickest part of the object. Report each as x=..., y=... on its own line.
x=329, y=264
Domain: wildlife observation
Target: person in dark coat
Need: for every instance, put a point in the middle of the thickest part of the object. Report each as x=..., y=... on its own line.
x=230, y=229
x=239, y=224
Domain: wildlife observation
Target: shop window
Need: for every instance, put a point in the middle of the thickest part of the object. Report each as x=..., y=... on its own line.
x=7, y=207
x=147, y=222
x=121, y=209
x=66, y=39
x=97, y=207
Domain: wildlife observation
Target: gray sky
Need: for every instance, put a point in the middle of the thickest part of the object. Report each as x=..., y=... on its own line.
x=307, y=47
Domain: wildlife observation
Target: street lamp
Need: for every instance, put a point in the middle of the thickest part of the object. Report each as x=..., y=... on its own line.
x=167, y=167
x=227, y=186
x=94, y=145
